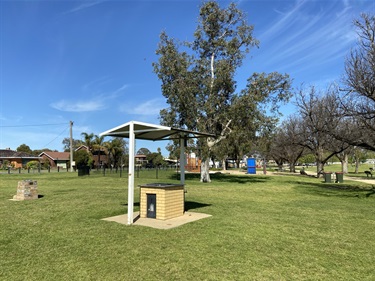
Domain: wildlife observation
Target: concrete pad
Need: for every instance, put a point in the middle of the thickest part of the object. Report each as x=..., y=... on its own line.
x=159, y=224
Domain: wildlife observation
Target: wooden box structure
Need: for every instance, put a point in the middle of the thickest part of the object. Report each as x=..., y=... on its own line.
x=162, y=201
x=26, y=190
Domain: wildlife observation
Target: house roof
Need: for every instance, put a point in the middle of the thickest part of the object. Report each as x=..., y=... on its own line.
x=7, y=153
x=56, y=155
x=140, y=156
x=82, y=147
x=146, y=131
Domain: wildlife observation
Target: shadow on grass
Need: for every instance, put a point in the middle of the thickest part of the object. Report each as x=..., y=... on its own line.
x=334, y=189
x=136, y=204
x=220, y=177
x=191, y=205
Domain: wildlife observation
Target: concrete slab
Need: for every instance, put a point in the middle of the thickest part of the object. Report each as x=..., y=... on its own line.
x=159, y=224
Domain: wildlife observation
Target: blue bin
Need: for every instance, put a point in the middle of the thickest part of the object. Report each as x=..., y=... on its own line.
x=251, y=166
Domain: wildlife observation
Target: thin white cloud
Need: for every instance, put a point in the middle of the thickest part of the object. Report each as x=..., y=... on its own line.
x=96, y=87
x=150, y=107
x=80, y=106
x=119, y=90
x=96, y=84
x=84, y=5
x=306, y=39
x=96, y=103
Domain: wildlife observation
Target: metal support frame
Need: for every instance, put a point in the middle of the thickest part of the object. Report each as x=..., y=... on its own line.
x=131, y=173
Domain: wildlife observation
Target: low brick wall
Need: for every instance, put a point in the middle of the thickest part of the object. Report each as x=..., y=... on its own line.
x=26, y=190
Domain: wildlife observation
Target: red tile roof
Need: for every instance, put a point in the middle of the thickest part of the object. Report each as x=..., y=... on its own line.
x=7, y=153
x=56, y=155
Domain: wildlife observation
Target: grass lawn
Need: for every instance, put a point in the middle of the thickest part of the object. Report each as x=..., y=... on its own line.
x=331, y=168
x=262, y=228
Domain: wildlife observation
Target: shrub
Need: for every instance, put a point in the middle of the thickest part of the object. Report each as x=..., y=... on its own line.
x=32, y=164
x=82, y=158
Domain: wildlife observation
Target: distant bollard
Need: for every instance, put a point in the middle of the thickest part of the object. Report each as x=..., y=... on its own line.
x=58, y=168
x=157, y=176
x=28, y=170
x=49, y=169
x=19, y=170
x=103, y=171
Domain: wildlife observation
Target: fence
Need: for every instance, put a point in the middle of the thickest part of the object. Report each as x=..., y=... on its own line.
x=165, y=172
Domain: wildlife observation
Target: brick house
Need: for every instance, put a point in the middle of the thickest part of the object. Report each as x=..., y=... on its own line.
x=56, y=159
x=15, y=158
x=95, y=155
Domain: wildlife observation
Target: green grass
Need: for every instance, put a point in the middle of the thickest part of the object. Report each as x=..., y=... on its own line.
x=332, y=168
x=262, y=228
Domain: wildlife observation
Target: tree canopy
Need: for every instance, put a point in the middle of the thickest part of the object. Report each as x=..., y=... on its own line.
x=198, y=77
x=358, y=97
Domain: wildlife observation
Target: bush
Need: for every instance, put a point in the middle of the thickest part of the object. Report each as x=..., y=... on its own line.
x=32, y=164
x=5, y=165
x=82, y=158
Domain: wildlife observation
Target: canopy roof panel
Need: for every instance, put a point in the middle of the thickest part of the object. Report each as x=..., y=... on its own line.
x=146, y=131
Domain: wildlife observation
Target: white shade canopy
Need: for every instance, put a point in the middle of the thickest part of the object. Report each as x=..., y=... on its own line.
x=145, y=131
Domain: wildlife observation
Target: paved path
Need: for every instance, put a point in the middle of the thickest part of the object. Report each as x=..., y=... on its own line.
x=310, y=173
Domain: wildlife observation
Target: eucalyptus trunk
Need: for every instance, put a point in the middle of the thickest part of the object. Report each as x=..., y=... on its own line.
x=205, y=170
x=357, y=163
x=344, y=164
x=223, y=164
x=292, y=167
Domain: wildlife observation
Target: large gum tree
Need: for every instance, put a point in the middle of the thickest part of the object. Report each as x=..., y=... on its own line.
x=197, y=78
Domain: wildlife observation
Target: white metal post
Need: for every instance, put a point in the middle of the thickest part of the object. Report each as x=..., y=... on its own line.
x=71, y=146
x=182, y=160
x=131, y=173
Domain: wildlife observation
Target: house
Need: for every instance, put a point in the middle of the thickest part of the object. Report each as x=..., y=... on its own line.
x=140, y=160
x=98, y=156
x=56, y=159
x=16, y=159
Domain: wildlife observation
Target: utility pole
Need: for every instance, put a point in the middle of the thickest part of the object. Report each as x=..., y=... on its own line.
x=71, y=146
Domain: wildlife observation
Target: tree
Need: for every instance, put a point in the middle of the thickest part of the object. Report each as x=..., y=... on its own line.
x=39, y=151
x=155, y=159
x=319, y=116
x=286, y=143
x=24, y=148
x=255, y=113
x=97, y=146
x=88, y=140
x=358, y=156
x=358, y=99
x=344, y=159
x=144, y=151
x=199, y=83
x=116, y=148
x=66, y=143
x=82, y=158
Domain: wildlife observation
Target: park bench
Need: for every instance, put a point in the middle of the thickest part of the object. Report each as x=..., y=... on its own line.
x=368, y=173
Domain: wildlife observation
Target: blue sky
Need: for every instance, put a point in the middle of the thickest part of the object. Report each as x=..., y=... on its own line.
x=90, y=62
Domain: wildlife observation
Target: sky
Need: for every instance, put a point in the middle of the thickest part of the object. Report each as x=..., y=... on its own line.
x=90, y=62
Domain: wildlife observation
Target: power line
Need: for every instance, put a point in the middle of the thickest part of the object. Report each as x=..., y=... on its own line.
x=35, y=125
x=56, y=137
